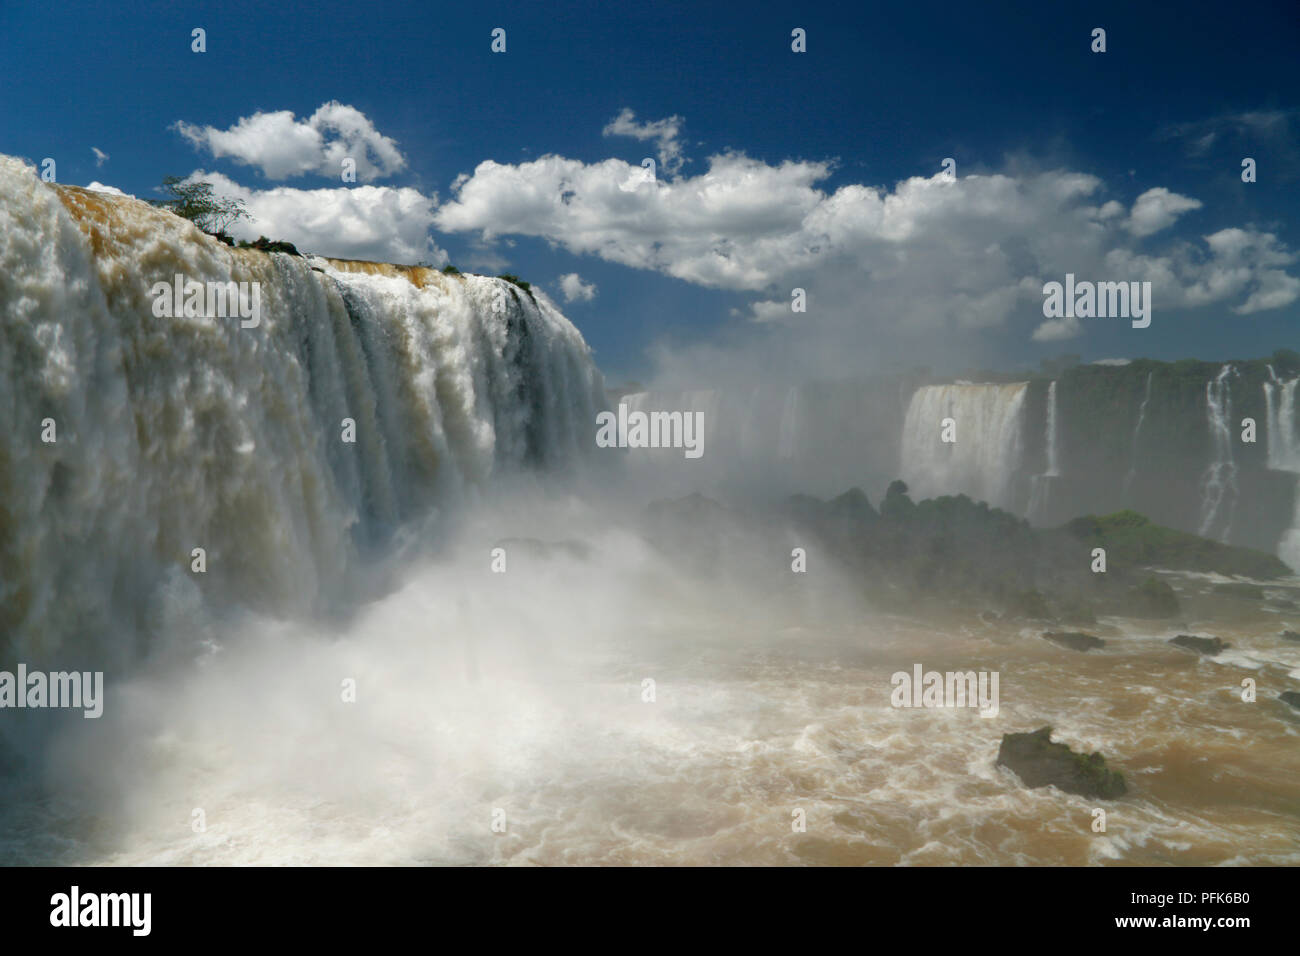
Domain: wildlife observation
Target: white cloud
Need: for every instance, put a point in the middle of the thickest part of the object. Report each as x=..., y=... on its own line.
x=100, y=156
x=99, y=187
x=664, y=132
x=926, y=256
x=282, y=146
x=1158, y=209
x=575, y=290
x=381, y=223
x=1056, y=330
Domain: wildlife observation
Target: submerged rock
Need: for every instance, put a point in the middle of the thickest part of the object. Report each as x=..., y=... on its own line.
x=1290, y=697
x=1074, y=640
x=1291, y=636
x=1201, y=645
x=1038, y=762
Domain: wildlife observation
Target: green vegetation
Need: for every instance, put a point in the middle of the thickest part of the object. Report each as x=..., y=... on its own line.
x=450, y=270
x=263, y=244
x=1132, y=541
x=197, y=203
x=515, y=280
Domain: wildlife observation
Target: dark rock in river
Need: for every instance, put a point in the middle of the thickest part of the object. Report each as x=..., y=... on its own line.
x=1038, y=762
x=1290, y=636
x=1290, y=697
x=1201, y=645
x=1074, y=640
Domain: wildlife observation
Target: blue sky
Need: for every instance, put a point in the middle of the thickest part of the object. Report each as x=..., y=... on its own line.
x=830, y=181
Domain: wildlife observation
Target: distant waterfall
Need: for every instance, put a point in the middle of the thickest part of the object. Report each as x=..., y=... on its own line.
x=1041, y=485
x=1137, y=431
x=984, y=459
x=1219, y=481
x=1284, y=454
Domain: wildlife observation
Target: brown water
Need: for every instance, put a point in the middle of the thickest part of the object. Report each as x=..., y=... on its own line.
x=748, y=725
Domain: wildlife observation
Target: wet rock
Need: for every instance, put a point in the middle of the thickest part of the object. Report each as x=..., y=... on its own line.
x=1290, y=697
x=1074, y=640
x=1201, y=645
x=1039, y=762
x=1291, y=636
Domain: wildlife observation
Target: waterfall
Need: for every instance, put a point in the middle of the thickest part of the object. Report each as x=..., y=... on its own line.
x=1040, y=485
x=1284, y=453
x=1219, y=481
x=1137, y=431
x=131, y=439
x=986, y=455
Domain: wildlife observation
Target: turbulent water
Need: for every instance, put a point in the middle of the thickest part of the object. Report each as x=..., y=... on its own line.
x=603, y=701
x=985, y=456
x=191, y=432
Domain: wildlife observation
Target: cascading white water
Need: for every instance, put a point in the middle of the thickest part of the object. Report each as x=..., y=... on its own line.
x=1219, y=481
x=1137, y=431
x=1284, y=453
x=1040, y=485
x=172, y=434
x=986, y=455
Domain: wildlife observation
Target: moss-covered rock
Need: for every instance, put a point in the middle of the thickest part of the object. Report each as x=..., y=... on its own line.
x=1039, y=762
x=1200, y=645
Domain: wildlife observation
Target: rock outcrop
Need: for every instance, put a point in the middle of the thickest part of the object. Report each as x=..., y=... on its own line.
x=1039, y=762
x=1208, y=646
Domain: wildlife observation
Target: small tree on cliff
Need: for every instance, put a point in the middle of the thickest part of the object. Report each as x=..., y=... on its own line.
x=196, y=202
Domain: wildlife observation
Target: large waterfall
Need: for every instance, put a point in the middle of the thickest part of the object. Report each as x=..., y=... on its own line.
x=131, y=440
x=1284, y=453
x=984, y=458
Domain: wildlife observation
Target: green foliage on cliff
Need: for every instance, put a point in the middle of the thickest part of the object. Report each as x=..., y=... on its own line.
x=1132, y=541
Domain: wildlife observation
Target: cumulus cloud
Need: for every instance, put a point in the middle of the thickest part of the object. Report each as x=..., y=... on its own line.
x=575, y=290
x=282, y=146
x=664, y=133
x=927, y=257
x=381, y=223
x=1158, y=209
x=99, y=187
x=100, y=156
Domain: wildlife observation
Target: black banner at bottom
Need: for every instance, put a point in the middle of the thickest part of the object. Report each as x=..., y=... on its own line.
x=912, y=906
